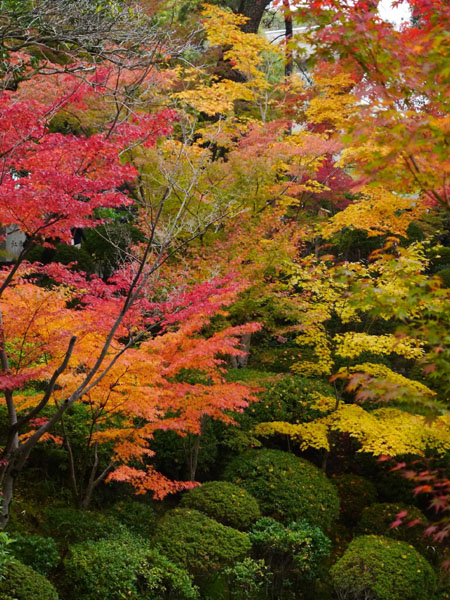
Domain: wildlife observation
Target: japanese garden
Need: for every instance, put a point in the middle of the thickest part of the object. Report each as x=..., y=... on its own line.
x=224, y=300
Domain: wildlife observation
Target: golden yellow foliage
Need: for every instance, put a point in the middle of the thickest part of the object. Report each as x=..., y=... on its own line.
x=243, y=51
x=387, y=431
x=378, y=212
x=384, y=373
x=352, y=344
x=348, y=292
x=219, y=97
x=332, y=104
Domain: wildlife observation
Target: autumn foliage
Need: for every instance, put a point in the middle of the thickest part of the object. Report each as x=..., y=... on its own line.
x=203, y=214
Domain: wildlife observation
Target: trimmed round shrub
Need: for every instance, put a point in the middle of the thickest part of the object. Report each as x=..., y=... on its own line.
x=383, y=569
x=225, y=502
x=294, y=399
x=71, y=525
x=138, y=517
x=355, y=493
x=378, y=518
x=292, y=553
x=287, y=487
x=199, y=543
x=23, y=583
x=124, y=567
x=39, y=553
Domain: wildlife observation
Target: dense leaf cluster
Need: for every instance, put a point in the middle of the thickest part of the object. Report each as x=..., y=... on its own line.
x=286, y=487
x=227, y=503
x=384, y=568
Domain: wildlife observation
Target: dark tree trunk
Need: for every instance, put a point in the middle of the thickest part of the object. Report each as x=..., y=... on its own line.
x=253, y=10
x=7, y=463
x=14, y=455
x=194, y=449
x=94, y=481
x=241, y=362
x=7, y=495
x=289, y=65
x=245, y=347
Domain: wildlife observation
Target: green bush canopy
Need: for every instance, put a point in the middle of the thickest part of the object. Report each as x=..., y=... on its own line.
x=382, y=568
x=124, y=567
x=287, y=487
x=199, y=543
x=378, y=519
x=23, y=583
x=227, y=503
x=355, y=493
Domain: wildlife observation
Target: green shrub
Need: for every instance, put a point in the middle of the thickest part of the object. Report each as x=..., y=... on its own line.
x=391, y=485
x=293, y=399
x=415, y=234
x=300, y=545
x=65, y=254
x=225, y=502
x=439, y=258
x=71, y=525
x=138, y=517
x=252, y=376
x=23, y=583
x=278, y=359
x=246, y=580
x=378, y=518
x=382, y=569
x=5, y=552
x=353, y=244
x=355, y=493
x=340, y=536
x=292, y=553
x=108, y=243
x=444, y=274
x=124, y=567
x=26, y=515
x=173, y=451
x=199, y=543
x=39, y=553
x=443, y=576
x=65, y=123
x=287, y=487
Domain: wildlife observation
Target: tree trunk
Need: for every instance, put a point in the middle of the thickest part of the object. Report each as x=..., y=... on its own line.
x=93, y=483
x=14, y=455
x=7, y=462
x=326, y=454
x=193, y=458
x=242, y=360
x=7, y=495
x=254, y=11
x=289, y=64
x=191, y=452
x=194, y=449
